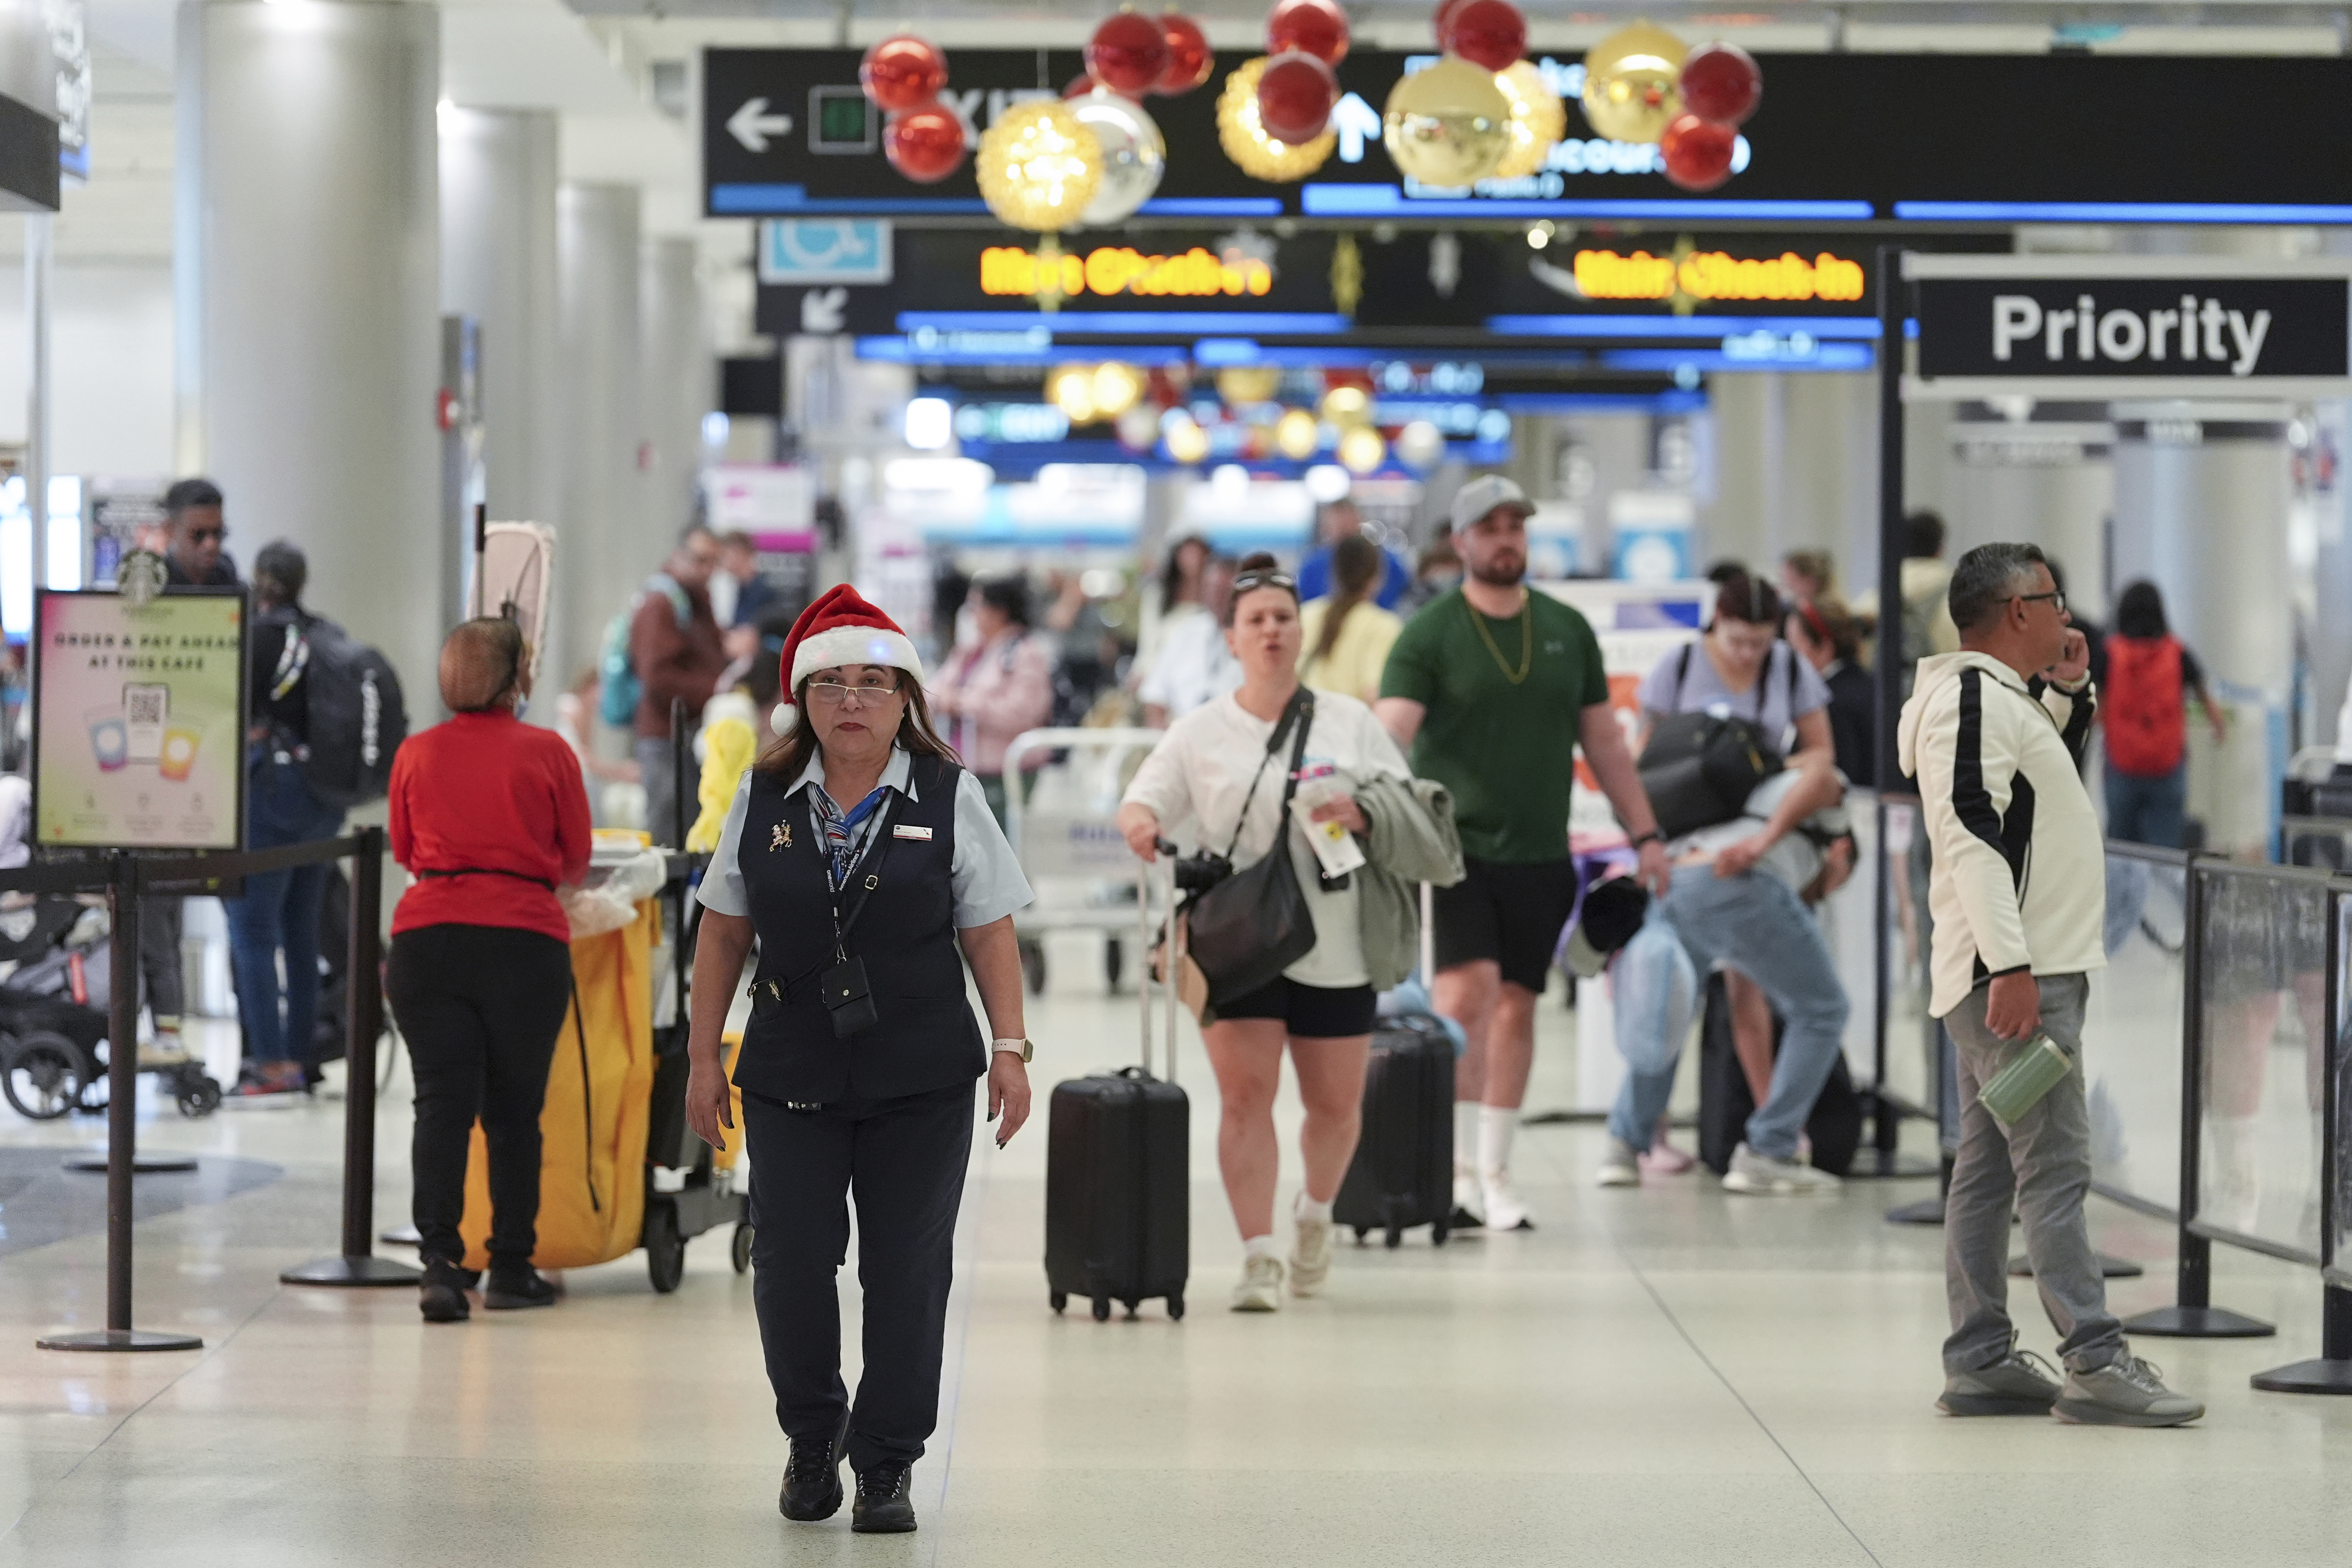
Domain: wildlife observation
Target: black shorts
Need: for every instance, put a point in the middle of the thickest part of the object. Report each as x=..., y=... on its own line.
x=1308, y=1012
x=1511, y=915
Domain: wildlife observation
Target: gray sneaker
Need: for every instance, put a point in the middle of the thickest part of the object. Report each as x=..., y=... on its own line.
x=1620, y=1167
x=1764, y=1176
x=2127, y=1392
x=2018, y=1384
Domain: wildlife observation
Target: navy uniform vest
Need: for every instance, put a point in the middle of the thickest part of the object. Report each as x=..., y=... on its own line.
x=924, y=1036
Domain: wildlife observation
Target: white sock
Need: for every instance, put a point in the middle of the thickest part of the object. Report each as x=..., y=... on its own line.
x=1260, y=1246
x=1465, y=1137
x=1307, y=1209
x=1496, y=1123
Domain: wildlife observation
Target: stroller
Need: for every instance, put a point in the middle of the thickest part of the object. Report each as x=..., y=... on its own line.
x=53, y=1014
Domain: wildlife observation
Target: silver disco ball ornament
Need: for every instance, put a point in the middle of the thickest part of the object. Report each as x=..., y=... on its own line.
x=1134, y=155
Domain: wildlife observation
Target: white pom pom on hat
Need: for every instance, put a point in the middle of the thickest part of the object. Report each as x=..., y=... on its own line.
x=841, y=628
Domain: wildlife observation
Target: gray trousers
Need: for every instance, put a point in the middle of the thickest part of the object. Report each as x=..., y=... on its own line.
x=159, y=925
x=2043, y=1167
x=657, y=768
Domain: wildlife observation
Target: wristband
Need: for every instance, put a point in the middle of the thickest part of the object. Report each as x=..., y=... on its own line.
x=1025, y=1050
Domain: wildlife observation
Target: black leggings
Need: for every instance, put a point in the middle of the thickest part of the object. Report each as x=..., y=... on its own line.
x=481, y=1007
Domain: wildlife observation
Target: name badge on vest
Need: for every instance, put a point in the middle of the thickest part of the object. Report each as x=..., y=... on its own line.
x=908, y=831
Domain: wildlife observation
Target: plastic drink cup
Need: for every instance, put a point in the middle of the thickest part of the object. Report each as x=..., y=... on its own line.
x=2024, y=1078
x=179, y=758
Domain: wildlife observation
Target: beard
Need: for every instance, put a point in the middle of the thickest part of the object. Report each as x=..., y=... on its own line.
x=1504, y=569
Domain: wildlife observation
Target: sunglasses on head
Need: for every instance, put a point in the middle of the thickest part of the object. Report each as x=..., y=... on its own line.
x=1249, y=581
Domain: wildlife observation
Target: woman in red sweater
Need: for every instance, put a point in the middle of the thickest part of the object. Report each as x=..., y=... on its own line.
x=489, y=816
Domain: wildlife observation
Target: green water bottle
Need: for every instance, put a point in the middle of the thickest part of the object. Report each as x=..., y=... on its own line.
x=2024, y=1078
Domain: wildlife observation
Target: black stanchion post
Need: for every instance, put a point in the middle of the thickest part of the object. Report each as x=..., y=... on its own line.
x=357, y=1264
x=678, y=755
x=2192, y=1315
x=2331, y=1373
x=121, y=1130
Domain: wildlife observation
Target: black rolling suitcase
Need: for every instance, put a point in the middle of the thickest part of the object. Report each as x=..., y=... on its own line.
x=1725, y=1103
x=1403, y=1174
x=1119, y=1178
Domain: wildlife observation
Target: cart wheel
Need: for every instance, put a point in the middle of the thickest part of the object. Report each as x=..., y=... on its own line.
x=1363, y=1231
x=1176, y=1308
x=1114, y=961
x=1439, y=1232
x=1033, y=967
x=1395, y=1237
x=1102, y=1308
x=1134, y=1310
x=739, y=1249
x=1057, y=1300
x=198, y=1094
x=45, y=1075
x=665, y=1248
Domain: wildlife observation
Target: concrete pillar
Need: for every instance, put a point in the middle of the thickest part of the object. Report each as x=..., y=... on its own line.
x=605, y=543
x=1796, y=468
x=498, y=176
x=679, y=376
x=307, y=255
x=2047, y=479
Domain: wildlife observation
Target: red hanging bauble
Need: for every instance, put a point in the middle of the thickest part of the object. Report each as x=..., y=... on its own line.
x=1190, y=59
x=1127, y=54
x=1489, y=33
x=902, y=72
x=1294, y=95
x=1441, y=22
x=1080, y=85
x=1697, y=152
x=1721, y=82
x=1317, y=28
x=925, y=142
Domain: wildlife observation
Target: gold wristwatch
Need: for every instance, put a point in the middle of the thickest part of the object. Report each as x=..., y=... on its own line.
x=1027, y=1048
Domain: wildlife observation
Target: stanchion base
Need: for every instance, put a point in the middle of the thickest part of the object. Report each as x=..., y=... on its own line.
x=1926, y=1211
x=2110, y=1267
x=399, y=1236
x=2321, y=1376
x=2198, y=1323
x=1876, y=1165
x=120, y=1340
x=351, y=1271
x=141, y=1164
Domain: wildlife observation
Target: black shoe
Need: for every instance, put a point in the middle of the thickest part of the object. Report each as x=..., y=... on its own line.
x=513, y=1288
x=441, y=1294
x=813, y=1478
x=883, y=1507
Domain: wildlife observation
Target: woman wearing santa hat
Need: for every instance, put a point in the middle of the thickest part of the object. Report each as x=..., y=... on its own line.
x=862, y=857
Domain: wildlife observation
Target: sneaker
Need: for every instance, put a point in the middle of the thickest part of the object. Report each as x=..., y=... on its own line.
x=1260, y=1290
x=441, y=1294
x=2127, y=1392
x=512, y=1289
x=1311, y=1255
x=1664, y=1160
x=1764, y=1176
x=883, y=1507
x=266, y=1093
x=1620, y=1167
x=1505, y=1211
x=2018, y=1384
x=1469, y=1204
x=165, y=1050
x=813, y=1478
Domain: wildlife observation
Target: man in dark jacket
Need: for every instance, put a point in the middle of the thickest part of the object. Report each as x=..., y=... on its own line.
x=676, y=649
x=194, y=532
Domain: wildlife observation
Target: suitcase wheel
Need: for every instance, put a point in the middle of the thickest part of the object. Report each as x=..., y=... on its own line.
x=1176, y=1308
x=1438, y=1232
x=1133, y=1310
x=1102, y=1308
x=1363, y=1231
x=664, y=1248
x=1057, y=1300
x=1395, y=1234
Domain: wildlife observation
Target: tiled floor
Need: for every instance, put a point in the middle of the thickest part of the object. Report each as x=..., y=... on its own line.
x=1666, y=1375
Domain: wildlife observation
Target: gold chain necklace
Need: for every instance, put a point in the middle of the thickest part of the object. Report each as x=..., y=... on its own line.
x=1527, y=639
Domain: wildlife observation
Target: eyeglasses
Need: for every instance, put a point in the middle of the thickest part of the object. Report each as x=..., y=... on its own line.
x=1249, y=581
x=836, y=691
x=201, y=534
x=2057, y=600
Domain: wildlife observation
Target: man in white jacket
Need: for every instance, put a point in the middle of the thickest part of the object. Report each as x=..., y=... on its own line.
x=2018, y=889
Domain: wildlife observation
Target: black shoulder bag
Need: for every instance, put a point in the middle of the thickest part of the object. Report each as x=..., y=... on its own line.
x=1699, y=770
x=1249, y=927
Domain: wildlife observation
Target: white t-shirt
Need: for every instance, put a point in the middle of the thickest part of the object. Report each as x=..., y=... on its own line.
x=1795, y=859
x=1199, y=775
x=1194, y=667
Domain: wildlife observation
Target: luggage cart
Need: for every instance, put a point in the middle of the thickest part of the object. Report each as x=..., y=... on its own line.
x=1062, y=820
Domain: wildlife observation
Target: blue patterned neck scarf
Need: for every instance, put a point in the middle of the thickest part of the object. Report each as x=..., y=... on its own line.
x=839, y=830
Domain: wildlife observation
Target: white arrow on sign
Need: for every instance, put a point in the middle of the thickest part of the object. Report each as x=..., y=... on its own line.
x=824, y=311
x=1354, y=119
x=752, y=125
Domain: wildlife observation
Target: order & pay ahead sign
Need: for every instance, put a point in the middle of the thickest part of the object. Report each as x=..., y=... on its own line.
x=2132, y=326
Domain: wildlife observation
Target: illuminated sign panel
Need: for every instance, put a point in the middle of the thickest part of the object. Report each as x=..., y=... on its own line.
x=1196, y=274
x=1715, y=275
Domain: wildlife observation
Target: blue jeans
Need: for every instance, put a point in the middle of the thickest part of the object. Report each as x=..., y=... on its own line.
x=279, y=913
x=1755, y=923
x=2148, y=811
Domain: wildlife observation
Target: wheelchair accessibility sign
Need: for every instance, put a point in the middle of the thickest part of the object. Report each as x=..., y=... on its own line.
x=825, y=250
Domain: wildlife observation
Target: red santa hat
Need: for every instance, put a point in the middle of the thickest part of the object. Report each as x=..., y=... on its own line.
x=840, y=630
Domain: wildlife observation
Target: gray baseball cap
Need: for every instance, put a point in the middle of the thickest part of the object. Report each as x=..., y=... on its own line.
x=1481, y=495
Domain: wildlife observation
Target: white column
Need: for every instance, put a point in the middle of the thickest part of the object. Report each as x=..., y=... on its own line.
x=499, y=178
x=606, y=545
x=679, y=376
x=2047, y=479
x=39, y=247
x=308, y=256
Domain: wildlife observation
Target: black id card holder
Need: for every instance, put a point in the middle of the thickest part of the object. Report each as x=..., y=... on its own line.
x=847, y=996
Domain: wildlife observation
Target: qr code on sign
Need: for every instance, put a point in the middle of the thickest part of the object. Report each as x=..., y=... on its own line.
x=146, y=704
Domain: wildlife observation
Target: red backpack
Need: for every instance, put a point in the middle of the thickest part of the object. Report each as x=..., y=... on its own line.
x=2142, y=706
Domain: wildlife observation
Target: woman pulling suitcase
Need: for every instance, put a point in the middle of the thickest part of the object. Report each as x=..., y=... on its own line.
x=862, y=857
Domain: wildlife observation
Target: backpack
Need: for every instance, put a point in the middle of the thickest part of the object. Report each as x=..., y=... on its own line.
x=2147, y=720
x=357, y=717
x=624, y=689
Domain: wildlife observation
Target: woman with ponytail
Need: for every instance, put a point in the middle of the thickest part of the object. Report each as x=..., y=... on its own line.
x=1346, y=636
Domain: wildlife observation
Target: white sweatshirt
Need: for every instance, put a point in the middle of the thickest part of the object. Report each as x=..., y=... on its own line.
x=2020, y=873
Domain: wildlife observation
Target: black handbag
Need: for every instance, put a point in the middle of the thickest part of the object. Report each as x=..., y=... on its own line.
x=1254, y=924
x=1698, y=770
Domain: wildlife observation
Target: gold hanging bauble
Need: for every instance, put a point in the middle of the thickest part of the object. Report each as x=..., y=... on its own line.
x=1253, y=152
x=1632, y=82
x=1449, y=125
x=1038, y=167
x=1538, y=120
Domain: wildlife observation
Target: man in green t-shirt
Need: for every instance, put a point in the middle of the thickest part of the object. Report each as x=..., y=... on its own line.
x=1490, y=689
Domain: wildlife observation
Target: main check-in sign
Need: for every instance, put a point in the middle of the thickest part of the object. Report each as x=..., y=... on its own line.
x=2148, y=326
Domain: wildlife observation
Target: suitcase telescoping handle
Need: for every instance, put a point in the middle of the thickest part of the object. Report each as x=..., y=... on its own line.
x=1166, y=937
x=1428, y=941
